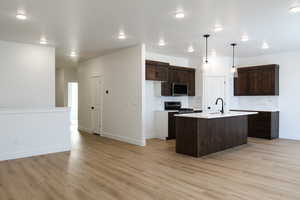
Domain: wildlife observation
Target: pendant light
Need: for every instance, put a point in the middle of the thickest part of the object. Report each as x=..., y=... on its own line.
x=234, y=70
x=206, y=36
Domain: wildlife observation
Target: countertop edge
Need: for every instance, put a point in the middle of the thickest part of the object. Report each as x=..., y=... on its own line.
x=254, y=110
x=194, y=115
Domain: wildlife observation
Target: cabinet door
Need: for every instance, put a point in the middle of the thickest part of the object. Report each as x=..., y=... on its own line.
x=262, y=82
x=267, y=79
x=184, y=76
x=150, y=72
x=191, y=83
x=171, y=126
x=241, y=84
x=161, y=73
x=254, y=77
x=166, y=87
x=175, y=76
x=259, y=125
x=156, y=72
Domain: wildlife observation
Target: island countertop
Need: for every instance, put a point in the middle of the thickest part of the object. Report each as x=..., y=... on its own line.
x=215, y=115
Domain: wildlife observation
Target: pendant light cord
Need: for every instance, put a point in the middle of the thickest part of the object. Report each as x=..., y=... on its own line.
x=233, y=54
x=206, y=51
x=206, y=46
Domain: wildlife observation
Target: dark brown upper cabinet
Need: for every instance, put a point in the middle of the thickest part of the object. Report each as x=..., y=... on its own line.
x=179, y=75
x=257, y=81
x=160, y=71
x=156, y=71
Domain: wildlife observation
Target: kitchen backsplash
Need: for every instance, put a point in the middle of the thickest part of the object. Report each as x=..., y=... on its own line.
x=257, y=102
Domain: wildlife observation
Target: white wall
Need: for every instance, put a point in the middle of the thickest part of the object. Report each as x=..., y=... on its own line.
x=59, y=87
x=173, y=60
x=288, y=100
x=218, y=66
x=123, y=76
x=27, y=75
x=63, y=77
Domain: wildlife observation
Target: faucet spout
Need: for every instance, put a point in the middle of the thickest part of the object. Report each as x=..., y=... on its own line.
x=222, y=100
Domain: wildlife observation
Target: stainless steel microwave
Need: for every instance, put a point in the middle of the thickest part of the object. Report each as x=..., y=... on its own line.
x=179, y=89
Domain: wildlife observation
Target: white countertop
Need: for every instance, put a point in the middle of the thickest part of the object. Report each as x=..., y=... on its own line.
x=195, y=110
x=256, y=109
x=216, y=115
x=32, y=110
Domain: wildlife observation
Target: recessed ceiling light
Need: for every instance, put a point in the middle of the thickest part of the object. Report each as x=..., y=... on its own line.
x=295, y=9
x=180, y=15
x=218, y=28
x=73, y=54
x=43, y=41
x=265, y=45
x=191, y=49
x=21, y=15
x=245, y=38
x=122, y=36
x=161, y=43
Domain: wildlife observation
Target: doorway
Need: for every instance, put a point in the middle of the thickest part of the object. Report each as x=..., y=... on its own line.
x=73, y=102
x=214, y=87
x=96, y=104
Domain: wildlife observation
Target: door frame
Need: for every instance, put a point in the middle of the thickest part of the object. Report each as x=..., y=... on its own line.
x=204, y=103
x=101, y=101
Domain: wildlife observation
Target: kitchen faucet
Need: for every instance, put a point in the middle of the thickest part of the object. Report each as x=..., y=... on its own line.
x=222, y=110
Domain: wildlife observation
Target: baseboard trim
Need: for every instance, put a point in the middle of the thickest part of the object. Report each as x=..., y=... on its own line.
x=83, y=129
x=124, y=139
x=289, y=138
x=33, y=152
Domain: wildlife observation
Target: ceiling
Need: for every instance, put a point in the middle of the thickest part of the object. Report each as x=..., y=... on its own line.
x=90, y=27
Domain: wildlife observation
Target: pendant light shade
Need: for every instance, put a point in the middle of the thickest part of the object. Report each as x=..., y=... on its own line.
x=234, y=69
x=206, y=36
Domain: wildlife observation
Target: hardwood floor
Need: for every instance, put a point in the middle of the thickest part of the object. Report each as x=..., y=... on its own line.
x=100, y=168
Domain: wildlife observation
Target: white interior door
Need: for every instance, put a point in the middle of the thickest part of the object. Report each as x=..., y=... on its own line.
x=96, y=104
x=214, y=87
x=73, y=101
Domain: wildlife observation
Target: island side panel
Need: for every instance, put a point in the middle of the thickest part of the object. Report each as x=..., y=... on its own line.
x=186, y=136
x=221, y=133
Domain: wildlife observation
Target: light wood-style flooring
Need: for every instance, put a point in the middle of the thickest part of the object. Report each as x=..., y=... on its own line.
x=100, y=168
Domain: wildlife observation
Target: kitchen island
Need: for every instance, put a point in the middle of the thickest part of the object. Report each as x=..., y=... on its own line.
x=199, y=134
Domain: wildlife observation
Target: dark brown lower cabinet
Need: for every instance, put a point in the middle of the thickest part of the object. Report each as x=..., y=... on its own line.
x=171, y=124
x=199, y=137
x=263, y=125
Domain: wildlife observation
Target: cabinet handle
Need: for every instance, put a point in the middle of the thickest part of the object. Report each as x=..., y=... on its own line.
x=92, y=107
